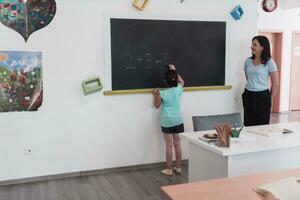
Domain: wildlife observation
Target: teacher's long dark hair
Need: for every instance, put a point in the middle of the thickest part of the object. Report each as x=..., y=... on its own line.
x=266, y=52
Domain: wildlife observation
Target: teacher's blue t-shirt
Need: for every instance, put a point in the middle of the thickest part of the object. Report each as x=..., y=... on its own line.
x=171, y=115
x=258, y=75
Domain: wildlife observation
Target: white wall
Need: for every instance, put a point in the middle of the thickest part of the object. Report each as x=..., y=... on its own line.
x=72, y=132
x=286, y=4
x=286, y=21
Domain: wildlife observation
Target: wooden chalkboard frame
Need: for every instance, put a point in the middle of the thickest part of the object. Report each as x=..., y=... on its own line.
x=107, y=41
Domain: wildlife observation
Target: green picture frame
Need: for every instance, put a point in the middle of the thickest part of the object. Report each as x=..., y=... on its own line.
x=92, y=85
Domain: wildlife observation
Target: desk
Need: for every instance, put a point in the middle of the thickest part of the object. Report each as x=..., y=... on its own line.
x=254, y=153
x=235, y=188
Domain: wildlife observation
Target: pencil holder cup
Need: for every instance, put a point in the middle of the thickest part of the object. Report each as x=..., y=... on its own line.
x=235, y=133
x=224, y=132
x=234, y=141
x=223, y=141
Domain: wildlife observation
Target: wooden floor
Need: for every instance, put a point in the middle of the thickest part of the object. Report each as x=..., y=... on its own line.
x=285, y=117
x=142, y=184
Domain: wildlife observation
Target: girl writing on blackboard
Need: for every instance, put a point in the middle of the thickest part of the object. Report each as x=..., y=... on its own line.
x=171, y=119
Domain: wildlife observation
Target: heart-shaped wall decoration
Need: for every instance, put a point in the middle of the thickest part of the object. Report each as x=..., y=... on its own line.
x=27, y=16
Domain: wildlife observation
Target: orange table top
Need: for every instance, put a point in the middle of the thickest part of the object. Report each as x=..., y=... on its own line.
x=234, y=188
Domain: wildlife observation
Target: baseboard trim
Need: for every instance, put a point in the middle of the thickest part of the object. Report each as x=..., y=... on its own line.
x=84, y=173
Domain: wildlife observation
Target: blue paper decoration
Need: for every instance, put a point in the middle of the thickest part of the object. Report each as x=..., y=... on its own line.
x=237, y=12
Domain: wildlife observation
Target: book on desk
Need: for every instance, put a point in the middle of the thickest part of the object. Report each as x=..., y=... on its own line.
x=209, y=137
x=284, y=189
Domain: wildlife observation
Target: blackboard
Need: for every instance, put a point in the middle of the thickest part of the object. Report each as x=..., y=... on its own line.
x=141, y=48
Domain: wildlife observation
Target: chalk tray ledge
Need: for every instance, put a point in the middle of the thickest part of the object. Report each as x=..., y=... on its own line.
x=149, y=90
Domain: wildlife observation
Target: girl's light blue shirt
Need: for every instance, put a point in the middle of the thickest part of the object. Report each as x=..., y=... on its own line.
x=258, y=76
x=171, y=115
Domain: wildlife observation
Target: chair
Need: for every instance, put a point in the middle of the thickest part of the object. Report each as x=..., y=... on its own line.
x=202, y=123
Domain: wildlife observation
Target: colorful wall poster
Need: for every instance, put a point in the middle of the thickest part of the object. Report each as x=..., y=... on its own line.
x=21, y=87
x=27, y=16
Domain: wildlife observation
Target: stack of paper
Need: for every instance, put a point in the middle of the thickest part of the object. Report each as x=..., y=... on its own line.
x=285, y=189
x=268, y=131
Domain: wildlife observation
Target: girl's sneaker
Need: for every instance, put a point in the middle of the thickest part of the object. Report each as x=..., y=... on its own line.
x=177, y=170
x=167, y=172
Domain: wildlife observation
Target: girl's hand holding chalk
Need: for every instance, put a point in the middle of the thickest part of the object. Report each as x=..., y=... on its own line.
x=172, y=67
x=155, y=92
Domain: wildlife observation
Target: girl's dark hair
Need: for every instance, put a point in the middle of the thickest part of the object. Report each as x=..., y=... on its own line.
x=266, y=52
x=171, y=78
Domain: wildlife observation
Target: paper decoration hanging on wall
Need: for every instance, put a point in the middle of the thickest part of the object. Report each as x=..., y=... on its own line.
x=27, y=16
x=237, y=12
x=140, y=4
x=20, y=81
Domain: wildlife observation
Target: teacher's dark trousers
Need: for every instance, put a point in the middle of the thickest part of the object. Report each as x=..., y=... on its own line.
x=257, y=107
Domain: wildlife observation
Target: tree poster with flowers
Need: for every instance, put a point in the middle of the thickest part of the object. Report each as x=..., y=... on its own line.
x=21, y=87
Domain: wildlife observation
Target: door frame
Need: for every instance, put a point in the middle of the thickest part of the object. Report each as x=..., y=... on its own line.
x=290, y=93
x=277, y=31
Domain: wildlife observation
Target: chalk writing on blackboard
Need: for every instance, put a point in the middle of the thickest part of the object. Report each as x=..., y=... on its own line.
x=148, y=63
x=128, y=61
x=140, y=49
x=145, y=61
